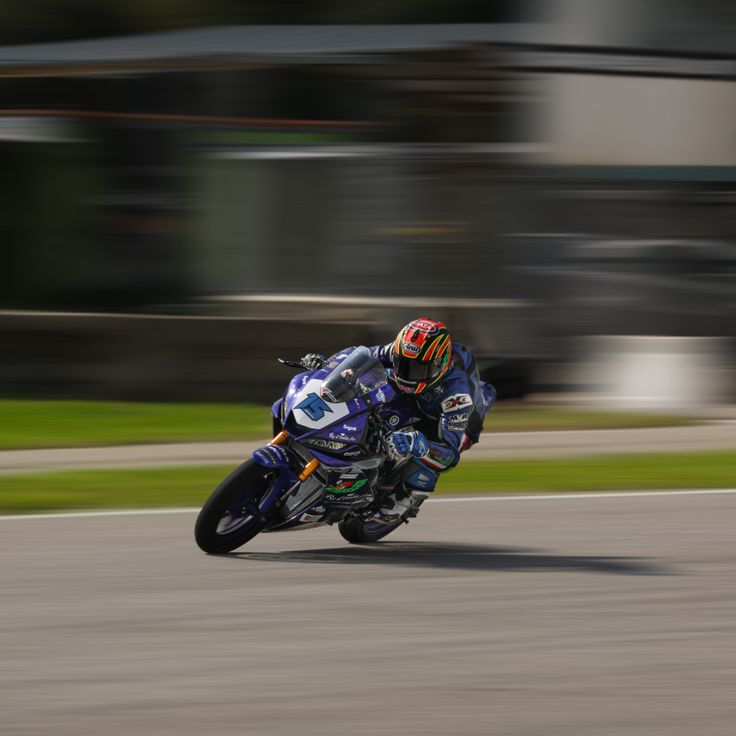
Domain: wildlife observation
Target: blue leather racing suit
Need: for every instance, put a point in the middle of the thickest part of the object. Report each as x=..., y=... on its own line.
x=450, y=415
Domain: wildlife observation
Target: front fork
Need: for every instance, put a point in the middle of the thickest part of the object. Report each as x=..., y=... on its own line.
x=274, y=457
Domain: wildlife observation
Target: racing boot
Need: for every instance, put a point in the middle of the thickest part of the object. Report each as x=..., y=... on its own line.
x=400, y=505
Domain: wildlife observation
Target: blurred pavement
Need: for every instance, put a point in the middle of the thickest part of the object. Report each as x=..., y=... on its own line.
x=564, y=617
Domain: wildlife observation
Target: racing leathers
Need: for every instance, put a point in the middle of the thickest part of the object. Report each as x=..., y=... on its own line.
x=442, y=421
x=449, y=419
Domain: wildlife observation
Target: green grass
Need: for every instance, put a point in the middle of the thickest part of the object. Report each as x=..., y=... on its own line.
x=26, y=423
x=190, y=486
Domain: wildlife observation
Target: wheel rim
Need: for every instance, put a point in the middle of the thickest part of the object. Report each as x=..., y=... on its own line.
x=375, y=527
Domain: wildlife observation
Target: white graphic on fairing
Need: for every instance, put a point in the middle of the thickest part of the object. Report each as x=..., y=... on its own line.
x=330, y=413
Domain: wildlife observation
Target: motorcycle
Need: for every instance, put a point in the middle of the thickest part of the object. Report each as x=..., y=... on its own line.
x=328, y=462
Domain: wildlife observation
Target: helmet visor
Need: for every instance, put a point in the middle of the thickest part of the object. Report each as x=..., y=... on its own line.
x=410, y=369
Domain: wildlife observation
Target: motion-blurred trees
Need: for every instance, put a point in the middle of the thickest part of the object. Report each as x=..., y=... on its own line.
x=34, y=21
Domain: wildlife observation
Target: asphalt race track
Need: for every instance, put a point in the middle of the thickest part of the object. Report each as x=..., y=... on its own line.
x=563, y=617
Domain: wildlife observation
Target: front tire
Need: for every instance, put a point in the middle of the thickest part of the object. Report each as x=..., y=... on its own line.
x=230, y=516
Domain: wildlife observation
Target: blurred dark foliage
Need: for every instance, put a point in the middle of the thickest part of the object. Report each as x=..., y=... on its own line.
x=51, y=20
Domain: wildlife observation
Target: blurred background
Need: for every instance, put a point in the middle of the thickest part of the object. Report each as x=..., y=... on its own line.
x=190, y=189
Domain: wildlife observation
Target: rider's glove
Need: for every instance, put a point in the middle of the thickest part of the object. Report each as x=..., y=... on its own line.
x=403, y=444
x=313, y=361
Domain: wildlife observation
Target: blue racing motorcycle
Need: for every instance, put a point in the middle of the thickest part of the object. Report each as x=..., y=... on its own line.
x=327, y=464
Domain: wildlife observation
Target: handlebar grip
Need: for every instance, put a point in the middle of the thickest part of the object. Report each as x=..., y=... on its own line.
x=290, y=363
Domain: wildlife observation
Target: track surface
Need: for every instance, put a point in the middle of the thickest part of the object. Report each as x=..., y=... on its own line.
x=716, y=436
x=560, y=617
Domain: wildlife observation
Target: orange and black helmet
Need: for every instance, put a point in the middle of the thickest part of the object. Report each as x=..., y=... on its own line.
x=421, y=355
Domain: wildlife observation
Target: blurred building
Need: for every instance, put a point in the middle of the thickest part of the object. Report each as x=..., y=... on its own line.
x=530, y=183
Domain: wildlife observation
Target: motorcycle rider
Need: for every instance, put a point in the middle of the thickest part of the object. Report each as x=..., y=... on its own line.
x=440, y=379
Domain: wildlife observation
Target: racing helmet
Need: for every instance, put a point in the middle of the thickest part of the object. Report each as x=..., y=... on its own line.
x=421, y=354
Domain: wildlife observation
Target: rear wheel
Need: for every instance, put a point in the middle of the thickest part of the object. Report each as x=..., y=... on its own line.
x=230, y=517
x=365, y=531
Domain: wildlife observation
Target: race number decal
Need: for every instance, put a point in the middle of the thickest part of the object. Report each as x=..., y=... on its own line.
x=456, y=401
x=312, y=411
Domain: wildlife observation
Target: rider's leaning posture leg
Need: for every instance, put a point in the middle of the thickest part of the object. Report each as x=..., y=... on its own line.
x=417, y=481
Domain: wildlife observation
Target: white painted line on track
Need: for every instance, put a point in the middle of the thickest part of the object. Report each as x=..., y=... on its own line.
x=541, y=496
x=119, y=512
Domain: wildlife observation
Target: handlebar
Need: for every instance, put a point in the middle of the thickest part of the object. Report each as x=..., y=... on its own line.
x=291, y=363
x=298, y=363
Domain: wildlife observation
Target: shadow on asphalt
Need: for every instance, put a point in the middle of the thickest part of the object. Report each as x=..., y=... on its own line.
x=459, y=557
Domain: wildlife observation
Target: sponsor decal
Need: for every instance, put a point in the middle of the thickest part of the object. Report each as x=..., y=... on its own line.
x=352, y=453
x=381, y=396
x=271, y=457
x=458, y=421
x=324, y=444
x=424, y=326
x=394, y=419
x=409, y=348
x=349, y=428
x=340, y=436
x=420, y=447
x=347, y=483
x=456, y=401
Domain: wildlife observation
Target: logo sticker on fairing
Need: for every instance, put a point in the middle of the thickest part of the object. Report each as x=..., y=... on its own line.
x=348, y=482
x=346, y=486
x=456, y=401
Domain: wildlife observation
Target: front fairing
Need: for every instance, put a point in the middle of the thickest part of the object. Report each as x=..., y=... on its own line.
x=307, y=413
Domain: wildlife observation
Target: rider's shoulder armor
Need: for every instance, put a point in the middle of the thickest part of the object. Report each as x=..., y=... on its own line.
x=454, y=392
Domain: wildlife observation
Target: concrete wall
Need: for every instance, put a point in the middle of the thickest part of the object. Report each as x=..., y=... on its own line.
x=159, y=358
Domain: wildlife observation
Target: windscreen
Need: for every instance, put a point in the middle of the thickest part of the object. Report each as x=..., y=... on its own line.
x=354, y=375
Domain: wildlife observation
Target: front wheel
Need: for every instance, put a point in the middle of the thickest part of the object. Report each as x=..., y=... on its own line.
x=231, y=517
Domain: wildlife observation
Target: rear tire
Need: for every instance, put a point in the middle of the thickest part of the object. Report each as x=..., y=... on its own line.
x=230, y=516
x=364, y=531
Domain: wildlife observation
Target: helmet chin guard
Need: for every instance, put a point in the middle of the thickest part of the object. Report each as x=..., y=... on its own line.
x=421, y=354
